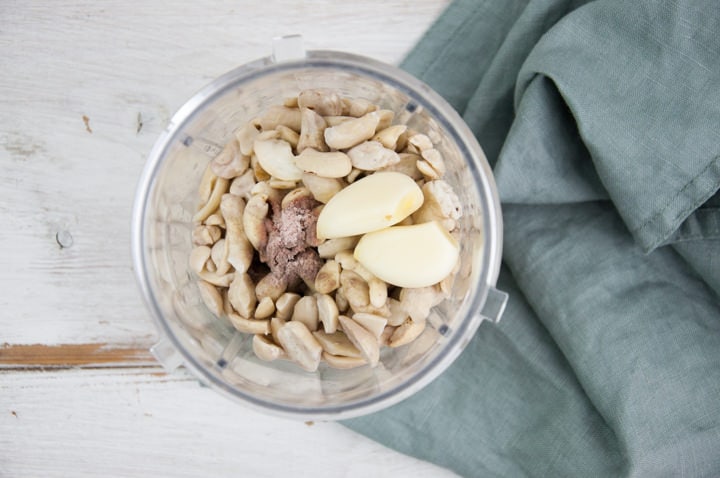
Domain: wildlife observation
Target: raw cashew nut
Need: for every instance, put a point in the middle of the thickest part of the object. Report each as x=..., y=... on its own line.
x=241, y=295
x=328, y=277
x=256, y=210
x=211, y=297
x=331, y=247
x=420, y=141
x=327, y=312
x=427, y=171
x=300, y=345
x=242, y=184
x=352, y=132
x=322, y=189
x=288, y=135
x=265, y=349
x=335, y=164
x=219, y=256
x=216, y=279
x=433, y=157
x=283, y=115
x=306, y=311
x=220, y=188
x=215, y=219
x=270, y=286
x=230, y=162
x=276, y=157
x=203, y=235
x=398, y=314
x=249, y=326
x=407, y=166
x=363, y=340
x=246, y=137
x=355, y=289
x=239, y=250
x=371, y=156
x=311, y=132
x=275, y=326
x=285, y=304
x=336, y=343
x=406, y=333
x=324, y=102
x=417, y=301
x=342, y=362
x=389, y=136
x=198, y=257
x=441, y=204
x=357, y=107
x=265, y=308
x=371, y=322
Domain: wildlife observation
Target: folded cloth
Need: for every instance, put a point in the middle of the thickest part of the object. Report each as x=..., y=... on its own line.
x=602, y=122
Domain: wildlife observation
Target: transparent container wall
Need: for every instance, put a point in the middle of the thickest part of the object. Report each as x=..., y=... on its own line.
x=225, y=356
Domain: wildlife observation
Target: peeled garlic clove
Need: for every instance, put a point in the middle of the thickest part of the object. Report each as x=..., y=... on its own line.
x=276, y=157
x=371, y=203
x=409, y=256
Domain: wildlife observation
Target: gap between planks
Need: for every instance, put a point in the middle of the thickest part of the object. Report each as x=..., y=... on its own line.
x=95, y=355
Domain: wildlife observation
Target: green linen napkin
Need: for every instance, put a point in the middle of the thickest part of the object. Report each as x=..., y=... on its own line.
x=602, y=122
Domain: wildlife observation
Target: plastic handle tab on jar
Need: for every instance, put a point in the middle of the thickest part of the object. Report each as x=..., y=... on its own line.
x=494, y=305
x=167, y=355
x=288, y=48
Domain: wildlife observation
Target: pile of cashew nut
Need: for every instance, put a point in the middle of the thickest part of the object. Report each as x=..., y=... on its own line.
x=300, y=155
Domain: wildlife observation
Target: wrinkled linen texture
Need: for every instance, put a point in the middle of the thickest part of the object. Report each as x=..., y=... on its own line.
x=601, y=120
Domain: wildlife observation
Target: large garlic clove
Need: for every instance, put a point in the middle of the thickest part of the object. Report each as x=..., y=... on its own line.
x=371, y=203
x=276, y=157
x=409, y=256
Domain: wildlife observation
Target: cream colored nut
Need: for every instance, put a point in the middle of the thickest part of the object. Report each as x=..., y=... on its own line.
x=280, y=184
x=275, y=326
x=256, y=210
x=354, y=175
x=267, y=135
x=306, y=311
x=411, y=149
x=276, y=157
x=334, y=164
x=246, y=136
x=210, y=266
x=327, y=312
x=336, y=343
x=321, y=188
x=220, y=187
x=300, y=345
x=406, y=333
x=363, y=340
x=402, y=142
x=387, y=332
x=211, y=296
x=427, y=171
x=291, y=102
x=265, y=308
x=357, y=107
x=377, y=288
x=331, y=247
x=440, y=202
x=328, y=277
x=227, y=306
x=240, y=251
x=198, y=257
x=242, y=185
x=216, y=279
x=371, y=203
x=294, y=195
x=219, y=256
x=280, y=115
x=368, y=308
x=389, y=136
x=355, y=289
x=409, y=256
x=215, y=219
x=249, y=326
x=285, y=304
x=270, y=286
x=241, y=295
x=407, y=166
x=336, y=120
x=207, y=183
x=323, y=101
x=341, y=301
x=435, y=160
x=341, y=362
x=352, y=132
x=258, y=172
x=265, y=349
x=371, y=156
x=398, y=314
x=206, y=235
x=230, y=163
x=417, y=301
x=312, y=132
x=420, y=141
x=371, y=322
x=288, y=135
x=385, y=118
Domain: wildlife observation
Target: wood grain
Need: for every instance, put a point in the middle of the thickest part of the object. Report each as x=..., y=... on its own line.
x=72, y=355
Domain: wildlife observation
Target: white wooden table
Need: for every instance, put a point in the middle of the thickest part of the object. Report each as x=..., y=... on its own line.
x=85, y=89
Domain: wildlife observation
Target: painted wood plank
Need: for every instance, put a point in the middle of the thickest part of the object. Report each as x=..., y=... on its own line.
x=113, y=422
